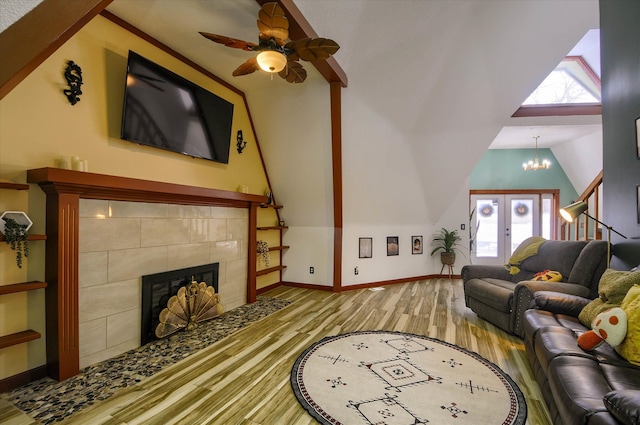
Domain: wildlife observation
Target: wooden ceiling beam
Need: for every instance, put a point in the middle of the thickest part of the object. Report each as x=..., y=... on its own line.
x=299, y=28
x=34, y=37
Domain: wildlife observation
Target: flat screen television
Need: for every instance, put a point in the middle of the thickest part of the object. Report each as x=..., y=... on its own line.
x=166, y=111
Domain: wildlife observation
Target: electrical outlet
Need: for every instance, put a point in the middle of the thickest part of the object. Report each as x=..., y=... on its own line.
x=311, y=270
x=462, y=226
x=356, y=271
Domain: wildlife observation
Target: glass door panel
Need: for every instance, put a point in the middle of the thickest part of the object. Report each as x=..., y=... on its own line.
x=488, y=227
x=501, y=223
x=523, y=219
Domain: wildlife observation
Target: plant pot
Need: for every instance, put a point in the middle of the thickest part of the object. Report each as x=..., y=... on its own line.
x=448, y=258
x=20, y=218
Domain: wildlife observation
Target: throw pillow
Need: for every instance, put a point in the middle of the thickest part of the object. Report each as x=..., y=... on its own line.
x=612, y=288
x=630, y=347
x=548, y=276
x=610, y=326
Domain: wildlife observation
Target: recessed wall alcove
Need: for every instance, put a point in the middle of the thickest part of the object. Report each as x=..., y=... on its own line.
x=64, y=189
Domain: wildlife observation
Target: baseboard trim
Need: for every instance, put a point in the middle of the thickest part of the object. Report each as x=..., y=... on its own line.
x=23, y=378
x=260, y=291
x=308, y=286
x=369, y=284
x=388, y=282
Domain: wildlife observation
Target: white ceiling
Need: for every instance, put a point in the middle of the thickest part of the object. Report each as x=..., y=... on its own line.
x=431, y=85
x=369, y=32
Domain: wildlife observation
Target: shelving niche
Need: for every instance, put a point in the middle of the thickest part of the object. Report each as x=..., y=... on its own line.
x=271, y=232
x=29, y=334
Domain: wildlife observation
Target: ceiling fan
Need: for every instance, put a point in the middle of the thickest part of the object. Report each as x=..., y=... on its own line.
x=277, y=55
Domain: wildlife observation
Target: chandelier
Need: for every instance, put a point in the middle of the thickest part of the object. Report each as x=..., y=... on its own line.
x=535, y=164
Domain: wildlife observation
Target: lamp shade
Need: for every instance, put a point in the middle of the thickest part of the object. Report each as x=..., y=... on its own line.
x=570, y=212
x=271, y=61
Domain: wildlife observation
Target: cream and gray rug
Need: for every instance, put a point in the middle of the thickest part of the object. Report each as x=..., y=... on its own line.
x=394, y=378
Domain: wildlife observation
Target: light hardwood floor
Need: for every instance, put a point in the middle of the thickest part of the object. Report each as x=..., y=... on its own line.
x=244, y=378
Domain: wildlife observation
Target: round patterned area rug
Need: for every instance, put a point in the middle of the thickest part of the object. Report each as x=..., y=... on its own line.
x=395, y=378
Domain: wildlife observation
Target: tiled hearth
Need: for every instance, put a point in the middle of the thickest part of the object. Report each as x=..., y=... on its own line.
x=121, y=241
x=49, y=401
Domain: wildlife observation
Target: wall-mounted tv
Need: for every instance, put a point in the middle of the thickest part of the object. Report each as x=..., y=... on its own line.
x=166, y=111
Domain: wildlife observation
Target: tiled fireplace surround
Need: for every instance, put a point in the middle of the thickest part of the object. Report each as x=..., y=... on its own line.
x=105, y=232
x=121, y=241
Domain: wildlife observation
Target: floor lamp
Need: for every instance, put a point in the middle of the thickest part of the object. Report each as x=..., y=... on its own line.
x=570, y=212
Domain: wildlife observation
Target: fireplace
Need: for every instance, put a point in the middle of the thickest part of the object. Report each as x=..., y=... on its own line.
x=66, y=305
x=159, y=287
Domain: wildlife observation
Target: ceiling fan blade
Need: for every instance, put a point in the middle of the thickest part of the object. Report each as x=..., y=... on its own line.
x=248, y=67
x=230, y=42
x=293, y=72
x=311, y=49
x=273, y=23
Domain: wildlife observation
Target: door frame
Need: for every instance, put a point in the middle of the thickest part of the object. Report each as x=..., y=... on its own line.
x=555, y=202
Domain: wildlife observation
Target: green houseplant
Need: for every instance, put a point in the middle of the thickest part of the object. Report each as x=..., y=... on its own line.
x=15, y=234
x=447, y=242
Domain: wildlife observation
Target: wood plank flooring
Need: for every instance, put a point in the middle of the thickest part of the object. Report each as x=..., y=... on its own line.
x=244, y=378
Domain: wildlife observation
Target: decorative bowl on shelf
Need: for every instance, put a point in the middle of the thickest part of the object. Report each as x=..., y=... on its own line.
x=19, y=216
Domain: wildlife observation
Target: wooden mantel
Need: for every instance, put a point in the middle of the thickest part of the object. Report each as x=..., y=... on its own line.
x=64, y=189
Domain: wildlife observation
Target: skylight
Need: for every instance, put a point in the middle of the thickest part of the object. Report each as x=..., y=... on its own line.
x=573, y=87
x=571, y=82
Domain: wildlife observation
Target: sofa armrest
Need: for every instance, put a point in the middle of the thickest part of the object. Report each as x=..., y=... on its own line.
x=475, y=271
x=523, y=295
x=559, y=303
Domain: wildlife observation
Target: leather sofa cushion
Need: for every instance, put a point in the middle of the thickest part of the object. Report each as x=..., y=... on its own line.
x=555, y=255
x=535, y=320
x=578, y=387
x=496, y=293
x=556, y=342
x=624, y=405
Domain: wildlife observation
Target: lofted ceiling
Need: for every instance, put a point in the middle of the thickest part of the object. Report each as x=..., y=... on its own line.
x=371, y=33
x=440, y=78
x=177, y=24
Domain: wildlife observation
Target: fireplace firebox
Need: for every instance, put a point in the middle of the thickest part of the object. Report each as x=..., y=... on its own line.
x=158, y=288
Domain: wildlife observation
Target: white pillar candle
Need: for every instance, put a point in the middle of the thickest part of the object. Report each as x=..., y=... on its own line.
x=76, y=163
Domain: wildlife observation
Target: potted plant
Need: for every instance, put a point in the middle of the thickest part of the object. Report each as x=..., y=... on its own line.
x=447, y=242
x=15, y=234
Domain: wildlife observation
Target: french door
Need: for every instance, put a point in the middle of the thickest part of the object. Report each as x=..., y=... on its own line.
x=503, y=220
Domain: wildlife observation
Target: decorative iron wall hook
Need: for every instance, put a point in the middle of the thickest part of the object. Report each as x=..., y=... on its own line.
x=73, y=74
x=241, y=143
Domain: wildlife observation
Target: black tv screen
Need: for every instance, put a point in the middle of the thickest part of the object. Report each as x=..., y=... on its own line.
x=166, y=111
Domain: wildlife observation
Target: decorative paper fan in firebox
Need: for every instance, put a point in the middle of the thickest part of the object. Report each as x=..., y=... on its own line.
x=276, y=53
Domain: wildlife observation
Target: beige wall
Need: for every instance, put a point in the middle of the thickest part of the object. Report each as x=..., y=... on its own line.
x=38, y=125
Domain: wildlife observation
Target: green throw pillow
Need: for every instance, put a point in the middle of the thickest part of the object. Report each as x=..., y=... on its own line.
x=612, y=288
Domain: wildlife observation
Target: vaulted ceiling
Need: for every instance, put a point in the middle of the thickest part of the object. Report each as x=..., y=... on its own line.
x=446, y=75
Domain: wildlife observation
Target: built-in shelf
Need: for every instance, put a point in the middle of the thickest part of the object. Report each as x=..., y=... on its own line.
x=29, y=238
x=278, y=248
x=270, y=270
x=28, y=335
x=18, y=338
x=14, y=186
x=21, y=287
x=273, y=228
x=275, y=206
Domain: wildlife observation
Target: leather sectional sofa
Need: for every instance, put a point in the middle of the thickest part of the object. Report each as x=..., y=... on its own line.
x=501, y=298
x=598, y=387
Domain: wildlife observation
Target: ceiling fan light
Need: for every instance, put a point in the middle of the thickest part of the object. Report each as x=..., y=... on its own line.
x=271, y=61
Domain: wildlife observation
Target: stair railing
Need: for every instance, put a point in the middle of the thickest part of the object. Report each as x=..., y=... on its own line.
x=579, y=229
